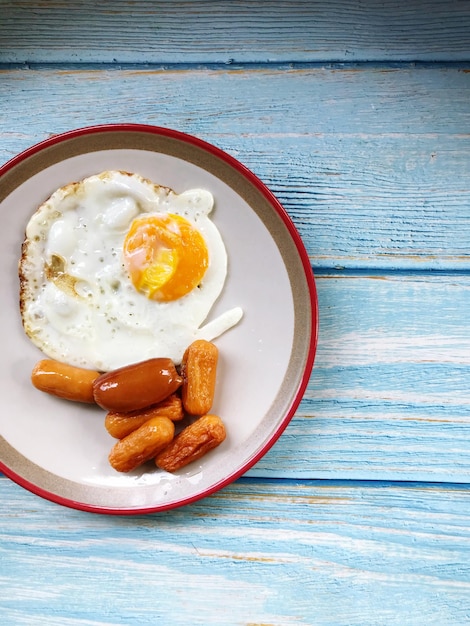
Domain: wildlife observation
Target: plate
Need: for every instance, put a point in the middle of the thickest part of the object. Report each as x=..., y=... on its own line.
x=58, y=449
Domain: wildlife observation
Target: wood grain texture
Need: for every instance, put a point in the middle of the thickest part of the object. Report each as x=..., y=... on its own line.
x=202, y=31
x=366, y=189
x=274, y=553
x=371, y=163
x=388, y=397
x=371, y=160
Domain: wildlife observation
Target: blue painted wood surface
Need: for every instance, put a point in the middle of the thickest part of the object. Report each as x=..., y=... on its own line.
x=338, y=109
x=259, y=552
x=373, y=165
x=225, y=32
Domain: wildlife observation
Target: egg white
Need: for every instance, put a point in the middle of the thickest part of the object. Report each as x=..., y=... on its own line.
x=77, y=301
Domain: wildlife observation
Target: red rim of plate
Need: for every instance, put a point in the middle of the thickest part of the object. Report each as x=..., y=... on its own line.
x=309, y=277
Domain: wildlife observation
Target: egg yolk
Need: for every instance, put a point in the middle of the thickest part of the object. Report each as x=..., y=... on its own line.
x=165, y=255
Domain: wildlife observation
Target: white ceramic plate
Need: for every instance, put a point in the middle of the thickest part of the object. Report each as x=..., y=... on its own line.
x=58, y=449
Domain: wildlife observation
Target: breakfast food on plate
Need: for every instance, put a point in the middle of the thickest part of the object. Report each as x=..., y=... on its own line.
x=142, y=400
x=142, y=444
x=192, y=443
x=116, y=269
x=117, y=277
x=63, y=380
x=198, y=369
x=119, y=425
x=137, y=430
x=136, y=386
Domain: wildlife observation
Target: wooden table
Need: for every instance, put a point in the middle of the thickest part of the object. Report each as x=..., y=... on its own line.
x=357, y=116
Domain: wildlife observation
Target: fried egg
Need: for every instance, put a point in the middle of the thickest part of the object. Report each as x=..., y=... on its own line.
x=116, y=269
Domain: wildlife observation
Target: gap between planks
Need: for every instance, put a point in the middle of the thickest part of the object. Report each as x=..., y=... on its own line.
x=378, y=66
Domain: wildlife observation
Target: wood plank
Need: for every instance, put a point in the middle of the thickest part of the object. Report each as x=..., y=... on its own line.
x=227, y=32
x=388, y=397
x=255, y=553
x=371, y=163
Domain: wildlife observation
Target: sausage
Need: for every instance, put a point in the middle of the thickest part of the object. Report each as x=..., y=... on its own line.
x=142, y=444
x=136, y=386
x=64, y=381
x=192, y=443
x=119, y=425
x=199, y=368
